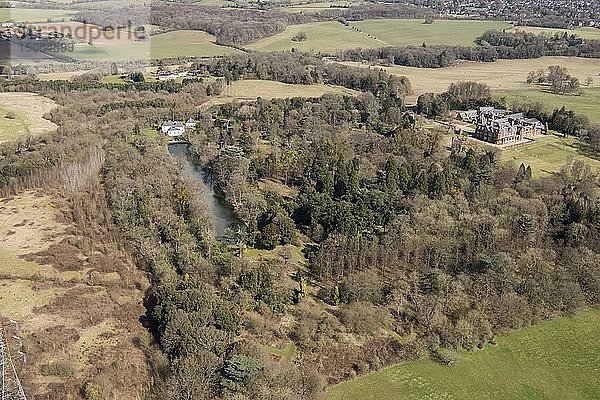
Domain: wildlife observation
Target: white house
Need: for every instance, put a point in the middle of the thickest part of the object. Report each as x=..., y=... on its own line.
x=171, y=75
x=168, y=77
x=176, y=131
x=172, y=128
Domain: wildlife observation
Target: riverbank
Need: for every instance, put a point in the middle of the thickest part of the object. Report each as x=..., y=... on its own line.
x=223, y=215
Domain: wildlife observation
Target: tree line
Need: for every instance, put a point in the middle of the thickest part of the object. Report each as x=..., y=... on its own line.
x=491, y=46
x=235, y=27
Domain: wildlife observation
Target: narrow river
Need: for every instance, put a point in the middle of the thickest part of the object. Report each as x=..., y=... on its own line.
x=222, y=214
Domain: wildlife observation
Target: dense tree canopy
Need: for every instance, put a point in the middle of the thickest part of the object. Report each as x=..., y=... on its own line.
x=399, y=235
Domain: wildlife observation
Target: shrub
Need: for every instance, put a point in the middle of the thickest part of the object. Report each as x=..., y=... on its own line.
x=94, y=391
x=58, y=368
x=445, y=356
x=240, y=368
x=300, y=37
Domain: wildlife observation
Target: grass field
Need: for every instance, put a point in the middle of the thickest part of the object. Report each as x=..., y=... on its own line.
x=104, y=4
x=22, y=114
x=588, y=103
x=585, y=32
x=324, y=37
x=499, y=75
x=186, y=43
x=332, y=36
x=557, y=359
x=171, y=44
x=13, y=124
x=316, y=7
x=252, y=89
x=548, y=154
x=403, y=32
x=34, y=15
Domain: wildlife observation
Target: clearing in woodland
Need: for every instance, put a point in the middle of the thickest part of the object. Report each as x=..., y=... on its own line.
x=251, y=89
x=23, y=114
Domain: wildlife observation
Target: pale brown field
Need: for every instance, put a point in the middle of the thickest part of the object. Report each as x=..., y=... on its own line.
x=499, y=75
x=28, y=110
x=64, y=76
x=251, y=89
x=78, y=312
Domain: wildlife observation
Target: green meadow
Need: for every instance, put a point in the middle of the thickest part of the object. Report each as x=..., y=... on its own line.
x=555, y=360
x=587, y=103
x=13, y=124
x=332, y=36
x=324, y=37
x=186, y=43
x=548, y=154
x=585, y=32
x=251, y=89
x=404, y=32
x=170, y=44
x=317, y=7
x=32, y=15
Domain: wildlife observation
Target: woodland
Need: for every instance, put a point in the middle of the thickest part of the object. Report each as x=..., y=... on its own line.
x=412, y=246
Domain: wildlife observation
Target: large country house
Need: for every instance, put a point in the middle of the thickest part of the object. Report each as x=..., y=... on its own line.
x=495, y=126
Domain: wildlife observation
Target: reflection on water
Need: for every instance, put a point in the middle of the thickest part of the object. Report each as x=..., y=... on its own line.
x=222, y=214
